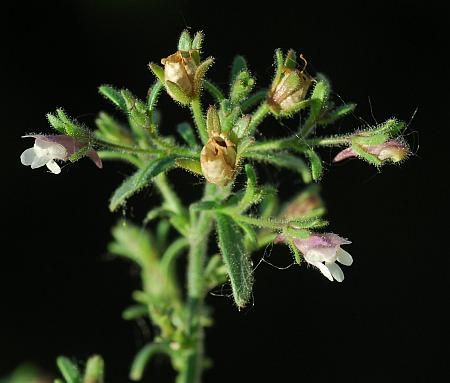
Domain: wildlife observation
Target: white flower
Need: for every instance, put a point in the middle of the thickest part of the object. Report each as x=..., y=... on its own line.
x=49, y=148
x=322, y=251
x=44, y=153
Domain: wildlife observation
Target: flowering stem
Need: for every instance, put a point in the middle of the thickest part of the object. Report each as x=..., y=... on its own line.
x=329, y=141
x=257, y=117
x=199, y=119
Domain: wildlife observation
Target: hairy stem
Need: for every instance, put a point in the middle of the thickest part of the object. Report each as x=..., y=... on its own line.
x=170, y=198
x=258, y=117
x=199, y=119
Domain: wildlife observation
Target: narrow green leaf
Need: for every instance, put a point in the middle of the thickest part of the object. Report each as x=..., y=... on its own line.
x=336, y=114
x=200, y=73
x=113, y=95
x=237, y=261
x=316, y=164
x=190, y=165
x=186, y=132
x=253, y=100
x=135, y=312
x=177, y=93
x=251, y=240
x=370, y=158
x=291, y=59
x=153, y=95
x=197, y=42
x=239, y=64
x=204, y=205
x=94, y=372
x=212, y=121
x=318, y=100
x=69, y=370
x=279, y=64
x=250, y=195
x=71, y=127
x=284, y=160
x=157, y=71
x=241, y=126
x=56, y=123
x=139, y=180
x=185, y=41
x=144, y=356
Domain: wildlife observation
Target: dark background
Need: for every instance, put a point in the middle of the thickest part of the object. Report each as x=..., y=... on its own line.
x=60, y=293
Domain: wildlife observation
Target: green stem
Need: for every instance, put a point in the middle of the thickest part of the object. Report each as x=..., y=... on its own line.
x=253, y=100
x=171, y=199
x=257, y=117
x=329, y=141
x=213, y=90
x=199, y=119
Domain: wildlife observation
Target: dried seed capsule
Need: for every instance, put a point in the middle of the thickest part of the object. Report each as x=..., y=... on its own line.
x=180, y=69
x=218, y=160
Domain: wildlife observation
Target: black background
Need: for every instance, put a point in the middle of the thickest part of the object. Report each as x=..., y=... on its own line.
x=60, y=293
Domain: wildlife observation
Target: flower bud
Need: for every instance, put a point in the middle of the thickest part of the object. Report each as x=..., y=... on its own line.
x=180, y=69
x=218, y=159
x=302, y=205
x=289, y=90
x=392, y=150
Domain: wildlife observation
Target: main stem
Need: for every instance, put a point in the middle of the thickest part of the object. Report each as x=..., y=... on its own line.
x=198, y=241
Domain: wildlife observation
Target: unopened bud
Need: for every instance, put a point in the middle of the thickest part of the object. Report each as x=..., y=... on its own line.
x=218, y=159
x=302, y=205
x=392, y=150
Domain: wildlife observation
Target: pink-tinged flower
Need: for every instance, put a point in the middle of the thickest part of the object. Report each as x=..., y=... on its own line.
x=47, y=149
x=392, y=150
x=322, y=251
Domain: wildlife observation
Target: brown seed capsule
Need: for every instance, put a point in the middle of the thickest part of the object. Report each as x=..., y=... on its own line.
x=289, y=90
x=180, y=68
x=218, y=160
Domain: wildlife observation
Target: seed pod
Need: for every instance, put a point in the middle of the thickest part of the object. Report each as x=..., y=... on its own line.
x=289, y=90
x=218, y=159
x=180, y=69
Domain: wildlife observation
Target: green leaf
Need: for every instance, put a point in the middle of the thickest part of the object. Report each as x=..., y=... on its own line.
x=177, y=93
x=157, y=71
x=198, y=40
x=200, y=73
x=391, y=127
x=288, y=112
x=254, y=99
x=139, y=180
x=336, y=114
x=56, y=123
x=113, y=95
x=316, y=164
x=119, y=156
x=153, y=95
x=212, y=121
x=215, y=272
x=185, y=41
x=94, y=372
x=186, y=132
x=279, y=64
x=291, y=59
x=190, y=165
x=70, y=126
x=251, y=240
x=370, y=158
x=237, y=261
x=318, y=100
x=69, y=370
x=239, y=64
x=284, y=160
x=135, y=312
x=144, y=356
x=241, y=126
x=204, y=205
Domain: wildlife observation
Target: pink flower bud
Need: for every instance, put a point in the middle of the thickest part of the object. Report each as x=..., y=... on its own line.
x=392, y=150
x=49, y=148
